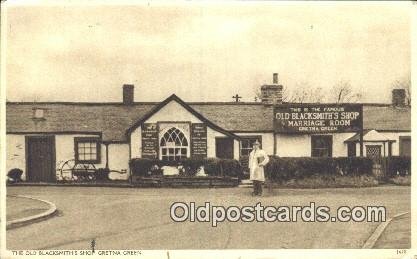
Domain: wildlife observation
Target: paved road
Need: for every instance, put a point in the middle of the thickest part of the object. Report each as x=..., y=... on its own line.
x=398, y=232
x=125, y=218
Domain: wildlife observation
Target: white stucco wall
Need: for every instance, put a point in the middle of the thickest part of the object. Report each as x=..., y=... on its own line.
x=64, y=149
x=236, y=151
x=136, y=143
x=295, y=145
x=173, y=111
x=119, y=160
x=15, y=153
x=267, y=140
x=339, y=145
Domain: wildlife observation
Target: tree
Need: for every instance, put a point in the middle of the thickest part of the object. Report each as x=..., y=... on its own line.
x=300, y=93
x=404, y=83
x=342, y=92
x=303, y=93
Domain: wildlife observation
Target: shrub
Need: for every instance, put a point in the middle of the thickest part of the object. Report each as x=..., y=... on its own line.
x=398, y=166
x=102, y=174
x=231, y=168
x=15, y=175
x=354, y=165
x=285, y=168
x=142, y=166
x=212, y=166
x=401, y=180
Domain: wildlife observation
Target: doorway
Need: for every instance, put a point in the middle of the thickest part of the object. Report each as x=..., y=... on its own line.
x=40, y=158
x=224, y=148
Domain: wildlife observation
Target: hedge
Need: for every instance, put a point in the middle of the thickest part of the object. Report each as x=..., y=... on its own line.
x=212, y=166
x=286, y=168
x=397, y=165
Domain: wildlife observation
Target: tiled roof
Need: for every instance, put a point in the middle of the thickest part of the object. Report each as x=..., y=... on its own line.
x=114, y=119
x=369, y=135
x=386, y=118
x=238, y=117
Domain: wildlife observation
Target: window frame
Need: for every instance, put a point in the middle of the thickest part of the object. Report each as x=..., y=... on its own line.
x=330, y=137
x=41, y=116
x=374, y=146
x=96, y=140
x=167, y=149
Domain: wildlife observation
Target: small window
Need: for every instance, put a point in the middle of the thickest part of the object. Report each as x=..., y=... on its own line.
x=246, y=144
x=373, y=151
x=87, y=150
x=38, y=113
x=321, y=146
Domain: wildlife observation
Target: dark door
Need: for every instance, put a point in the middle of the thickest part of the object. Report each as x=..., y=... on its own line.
x=246, y=145
x=405, y=146
x=351, y=149
x=40, y=158
x=224, y=148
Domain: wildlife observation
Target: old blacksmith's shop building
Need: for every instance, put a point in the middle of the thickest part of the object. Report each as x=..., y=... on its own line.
x=43, y=136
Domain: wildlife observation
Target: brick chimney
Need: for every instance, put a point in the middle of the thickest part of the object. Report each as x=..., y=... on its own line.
x=272, y=94
x=128, y=94
x=398, y=97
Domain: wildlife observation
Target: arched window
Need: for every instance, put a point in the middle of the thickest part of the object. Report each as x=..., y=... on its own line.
x=173, y=145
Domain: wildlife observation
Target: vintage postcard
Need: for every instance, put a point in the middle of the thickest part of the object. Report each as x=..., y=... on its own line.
x=147, y=129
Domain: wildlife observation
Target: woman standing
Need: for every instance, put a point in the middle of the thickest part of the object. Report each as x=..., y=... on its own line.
x=257, y=160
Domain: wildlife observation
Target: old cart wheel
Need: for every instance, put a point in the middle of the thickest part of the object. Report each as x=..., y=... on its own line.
x=66, y=170
x=85, y=172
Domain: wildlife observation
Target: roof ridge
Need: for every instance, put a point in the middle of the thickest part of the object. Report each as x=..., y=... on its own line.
x=190, y=103
x=134, y=103
x=81, y=103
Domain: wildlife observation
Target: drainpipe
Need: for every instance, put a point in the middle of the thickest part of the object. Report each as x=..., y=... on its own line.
x=275, y=144
x=107, y=155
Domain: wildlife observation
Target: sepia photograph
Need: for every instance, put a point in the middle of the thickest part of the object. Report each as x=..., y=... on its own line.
x=145, y=128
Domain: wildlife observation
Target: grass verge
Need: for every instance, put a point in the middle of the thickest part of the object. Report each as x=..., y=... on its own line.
x=326, y=181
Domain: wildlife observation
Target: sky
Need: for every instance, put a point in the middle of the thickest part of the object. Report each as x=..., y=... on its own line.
x=202, y=51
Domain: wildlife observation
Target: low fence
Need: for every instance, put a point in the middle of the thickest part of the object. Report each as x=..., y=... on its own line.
x=188, y=167
x=388, y=167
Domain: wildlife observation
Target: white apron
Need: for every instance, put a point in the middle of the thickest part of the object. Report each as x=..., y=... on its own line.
x=256, y=171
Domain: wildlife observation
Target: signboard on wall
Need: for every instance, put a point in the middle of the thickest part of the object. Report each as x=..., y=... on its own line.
x=198, y=140
x=150, y=140
x=318, y=118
